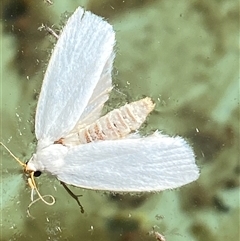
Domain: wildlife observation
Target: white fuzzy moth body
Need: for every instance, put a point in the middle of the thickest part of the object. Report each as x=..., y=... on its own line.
x=115, y=125
x=81, y=148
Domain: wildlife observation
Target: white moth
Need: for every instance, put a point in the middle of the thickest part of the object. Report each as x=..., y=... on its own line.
x=79, y=147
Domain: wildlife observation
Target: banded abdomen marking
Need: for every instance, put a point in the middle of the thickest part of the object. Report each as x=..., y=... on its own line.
x=114, y=125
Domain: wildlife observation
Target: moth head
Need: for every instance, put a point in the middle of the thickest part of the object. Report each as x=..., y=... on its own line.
x=33, y=166
x=28, y=170
x=28, y=167
x=31, y=171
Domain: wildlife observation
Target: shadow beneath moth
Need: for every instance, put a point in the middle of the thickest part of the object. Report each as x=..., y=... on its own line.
x=83, y=149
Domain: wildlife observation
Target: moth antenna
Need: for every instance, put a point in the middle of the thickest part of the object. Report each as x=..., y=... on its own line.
x=33, y=186
x=36, y=200
x=20, y=162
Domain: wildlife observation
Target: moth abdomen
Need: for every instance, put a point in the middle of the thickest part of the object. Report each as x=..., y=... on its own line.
x=115, y=125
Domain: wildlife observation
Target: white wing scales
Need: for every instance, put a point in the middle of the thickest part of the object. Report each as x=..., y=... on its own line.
x=151, y=163
x=76, y=65
x=76, y=85
x=100, y=95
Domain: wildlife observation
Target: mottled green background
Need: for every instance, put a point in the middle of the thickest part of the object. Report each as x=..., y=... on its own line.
x=183, y=54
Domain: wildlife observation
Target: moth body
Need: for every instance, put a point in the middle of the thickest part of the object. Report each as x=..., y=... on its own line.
x=81, y=148
x=115, y=125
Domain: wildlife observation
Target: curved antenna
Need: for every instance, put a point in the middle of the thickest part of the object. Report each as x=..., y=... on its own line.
x=31, y=183
x=36, y=200
x=20, y=162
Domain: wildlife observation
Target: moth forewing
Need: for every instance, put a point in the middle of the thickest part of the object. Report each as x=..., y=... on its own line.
x=99, y=96
x=115, y=125
x=81, y=58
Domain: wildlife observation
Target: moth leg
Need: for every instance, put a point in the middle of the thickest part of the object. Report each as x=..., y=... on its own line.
x=73, y=196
